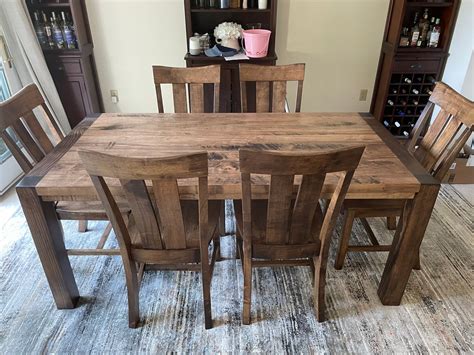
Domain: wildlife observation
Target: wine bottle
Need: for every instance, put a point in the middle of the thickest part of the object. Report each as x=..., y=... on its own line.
x=390, y=102
x=407, y=80
x=415, y=102
x=57, y=33
x=424, y=28
x=397, y=124
x=435, y=33
x=428, y=91
x=48, y=32
x=415, y=32
x=430, y=79
x=415, y=91
x=403, y=91
x=402, y=102
x=386, y=123
x=394, y=91
x=406, y=134
x=39, y=29
x=69, y=37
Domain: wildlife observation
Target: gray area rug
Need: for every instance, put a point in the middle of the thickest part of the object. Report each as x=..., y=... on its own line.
x=436, y=314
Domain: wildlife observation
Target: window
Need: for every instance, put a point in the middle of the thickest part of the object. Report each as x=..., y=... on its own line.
x=4, y=94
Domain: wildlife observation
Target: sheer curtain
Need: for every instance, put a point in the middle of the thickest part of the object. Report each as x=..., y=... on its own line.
x=28, y=57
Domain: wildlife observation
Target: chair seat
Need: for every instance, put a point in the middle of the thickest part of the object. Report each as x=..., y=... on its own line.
x=374, y=208
x=85, y=210
x=190, y=211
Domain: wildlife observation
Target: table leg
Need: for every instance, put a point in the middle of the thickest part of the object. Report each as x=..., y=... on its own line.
x=406, y=245
x=47, y=234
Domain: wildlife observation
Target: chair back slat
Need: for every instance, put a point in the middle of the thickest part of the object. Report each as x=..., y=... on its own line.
x=192, y=80
x=262, y=97
x=271, y=85
x=291, y=221
x=448, y=132
x=196, y=95
x=143, y=213
x=16, y=114
x=305, y=212
x=21, y=158
x=158, y=218
x=279, y=203
x=279, y=96
x=169, y=212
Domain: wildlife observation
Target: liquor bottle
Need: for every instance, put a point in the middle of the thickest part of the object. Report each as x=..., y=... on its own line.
x=68, y=33
x=57, y=33
x=253, y=4
x=48, y=32
x=415, y=91
x=235, y=4
x=435, y=33
x=415, y=32
x=424, y=28
x=390, y=102
x=245, y=4
x=428, y=35
x=39, y=29
x=404, y=38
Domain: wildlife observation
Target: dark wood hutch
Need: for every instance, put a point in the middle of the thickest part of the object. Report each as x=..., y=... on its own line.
x=396, y=103
x=204, y=20
x=73, y=70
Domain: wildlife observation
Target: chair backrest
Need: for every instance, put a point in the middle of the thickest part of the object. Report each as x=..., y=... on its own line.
x=448, y=132
x=290, y=221
x=270, y=82
x=17, y=117
x=158, y=218
x=191, y=80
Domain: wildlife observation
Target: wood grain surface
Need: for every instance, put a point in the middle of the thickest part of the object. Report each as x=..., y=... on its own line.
x=380, y=174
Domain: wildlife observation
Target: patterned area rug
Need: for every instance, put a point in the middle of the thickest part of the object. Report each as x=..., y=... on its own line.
x=436, y=314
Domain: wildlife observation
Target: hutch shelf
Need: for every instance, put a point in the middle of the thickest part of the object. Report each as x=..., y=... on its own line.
x=406, y=75
x=73, y=69
x=204, y=20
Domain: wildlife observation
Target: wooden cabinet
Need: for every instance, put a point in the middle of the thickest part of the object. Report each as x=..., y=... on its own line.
x=73, y=70
x=406, y=75
x=204, y=20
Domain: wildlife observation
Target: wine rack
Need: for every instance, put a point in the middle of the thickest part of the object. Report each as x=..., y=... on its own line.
x=404, y=69
x=407, y=97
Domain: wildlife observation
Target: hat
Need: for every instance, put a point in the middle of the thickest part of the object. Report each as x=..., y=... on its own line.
x=220, y=51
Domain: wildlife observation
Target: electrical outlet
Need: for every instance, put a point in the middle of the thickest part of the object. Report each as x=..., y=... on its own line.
x=114, y=96
x=363, y=95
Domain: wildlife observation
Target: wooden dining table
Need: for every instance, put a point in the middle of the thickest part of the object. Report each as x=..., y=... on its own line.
x=386, y=171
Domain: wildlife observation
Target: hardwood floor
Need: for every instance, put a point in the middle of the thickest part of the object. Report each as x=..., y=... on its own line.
x=436, y=314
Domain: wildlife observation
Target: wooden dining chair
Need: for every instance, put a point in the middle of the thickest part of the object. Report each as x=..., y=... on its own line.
x=163, y=229
x=18, y=124
x=436, y=151
x=188, y=80
x=270, y=86
x=281, y=229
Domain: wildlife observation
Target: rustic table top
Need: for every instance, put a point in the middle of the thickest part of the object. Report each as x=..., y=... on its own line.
x=386, y=170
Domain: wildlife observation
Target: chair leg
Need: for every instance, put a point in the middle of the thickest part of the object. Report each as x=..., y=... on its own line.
x=417, y=265
x=104, y=236
x=206, y=285
x=247, y=267
x=313, y=271
x=344, y=242
x=133, y=296
x=391, y=223
x=319, y=290
x=82, y=226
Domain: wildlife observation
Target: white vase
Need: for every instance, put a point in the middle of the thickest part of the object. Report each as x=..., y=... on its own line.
x=229, y=42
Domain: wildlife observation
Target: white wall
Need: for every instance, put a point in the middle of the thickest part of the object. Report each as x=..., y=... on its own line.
x=457, y=72
x=338, y=39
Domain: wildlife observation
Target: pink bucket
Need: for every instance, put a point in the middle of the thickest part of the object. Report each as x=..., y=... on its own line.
x=255, y=43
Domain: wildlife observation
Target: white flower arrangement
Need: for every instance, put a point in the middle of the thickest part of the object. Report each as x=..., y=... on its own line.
x=228, y=30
